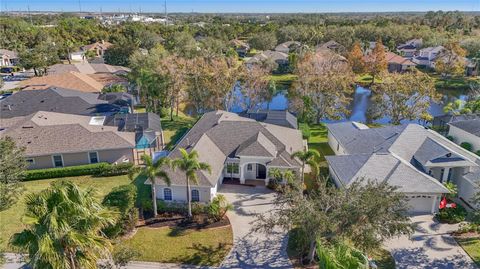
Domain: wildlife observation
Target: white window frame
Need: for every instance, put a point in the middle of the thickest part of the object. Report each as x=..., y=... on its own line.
x=30, y=163
x=53, y=160
x=90, y=160
x=198, y=195
x=171, y=194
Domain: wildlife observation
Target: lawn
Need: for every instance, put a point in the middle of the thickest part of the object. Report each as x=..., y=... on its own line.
x=174, y=130
x=453, y=83
x=471, y=245
x=283, y=78
x=10, y=220
x=205, y=247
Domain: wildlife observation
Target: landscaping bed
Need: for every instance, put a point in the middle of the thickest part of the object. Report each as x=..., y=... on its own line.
x=471, y=244
x=199, y=221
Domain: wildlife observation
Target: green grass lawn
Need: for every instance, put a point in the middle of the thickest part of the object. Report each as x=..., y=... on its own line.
x=283, y=78
x=366, y=79
x=471, y=245
x=10, y=220
x=205, y=247
x=174, y=130
x=453, y=83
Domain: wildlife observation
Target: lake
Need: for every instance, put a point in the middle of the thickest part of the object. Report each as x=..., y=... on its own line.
x=359, y=106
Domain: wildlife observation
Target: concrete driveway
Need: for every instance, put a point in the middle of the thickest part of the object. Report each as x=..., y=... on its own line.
x=253, y=250
x=431, y=246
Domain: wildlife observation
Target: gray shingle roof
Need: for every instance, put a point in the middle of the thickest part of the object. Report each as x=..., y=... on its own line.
x=431, y=151
x=87, y=68
x=346, y=166
x=24, y=103
x=219, y=134
x=469, y=126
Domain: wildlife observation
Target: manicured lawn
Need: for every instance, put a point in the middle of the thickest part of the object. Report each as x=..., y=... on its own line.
x=471, y=245
x=205, y=247
x=367, y=79
x=174, y=130
x=10, y=220
x=453, y=83
x=283, y=78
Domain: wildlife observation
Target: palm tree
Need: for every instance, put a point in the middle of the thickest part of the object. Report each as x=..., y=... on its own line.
x=309, y=157
x=64, y=226
x=189, y=164
x=153, y=170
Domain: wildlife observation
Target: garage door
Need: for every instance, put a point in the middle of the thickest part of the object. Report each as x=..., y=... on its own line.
x=420, y=204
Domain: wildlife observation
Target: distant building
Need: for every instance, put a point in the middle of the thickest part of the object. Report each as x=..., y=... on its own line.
x=397, y=63
x=410, y=47
x=87, y=68
x=8, y=58
x=277, y=57
x=287, y=47
x=332, y=45
x=241, y=47
x=427, y=56
x=98, y=47
x=466, y=131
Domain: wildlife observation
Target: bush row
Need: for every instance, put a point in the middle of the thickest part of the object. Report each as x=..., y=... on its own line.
x=97, y=169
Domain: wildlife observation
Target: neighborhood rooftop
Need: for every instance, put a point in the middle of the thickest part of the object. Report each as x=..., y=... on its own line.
x=470, y=126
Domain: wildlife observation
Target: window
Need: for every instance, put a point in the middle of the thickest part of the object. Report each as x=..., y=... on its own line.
x=249, y=167
x=30, y=161
x=233, y=168
x=441, y=174
x=57, y=160
x=93, y=157
x=167, y=194
x=338, y=146
x=195, y=196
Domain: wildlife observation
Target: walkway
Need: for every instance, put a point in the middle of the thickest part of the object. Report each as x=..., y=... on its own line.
x=253, y=250
x=431, y=246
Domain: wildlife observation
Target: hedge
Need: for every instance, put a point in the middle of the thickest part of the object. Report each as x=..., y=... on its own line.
x=97, y=169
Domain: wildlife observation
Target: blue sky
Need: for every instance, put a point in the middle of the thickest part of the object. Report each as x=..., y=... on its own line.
x=266, y=6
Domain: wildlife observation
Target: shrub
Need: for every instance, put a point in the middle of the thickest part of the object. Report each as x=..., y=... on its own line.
x=478, y=152
x=469, y=228
x=219, y=207
x=71, y=171
x=450, y=138
x=306, y=132
x=115, y=170
x=122, y=198
x=452, y=215
x=172, y=207
x=466, y=146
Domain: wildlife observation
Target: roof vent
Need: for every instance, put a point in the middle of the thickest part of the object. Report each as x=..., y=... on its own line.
x=97, y=120
x=449, y=155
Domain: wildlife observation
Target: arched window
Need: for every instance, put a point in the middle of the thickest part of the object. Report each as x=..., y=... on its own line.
x=167, y=194
x=195, y=196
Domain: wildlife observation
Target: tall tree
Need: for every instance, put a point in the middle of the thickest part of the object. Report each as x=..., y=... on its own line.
x=404, y=96
x=63, y=228
x=263, y=41
x=255, y=85
x=377, y=60
x=307, y=157
x=190, y=165
x=355, y=59
x=325, y=82
x=152, y=171
x=39, y=58
x=12, y=168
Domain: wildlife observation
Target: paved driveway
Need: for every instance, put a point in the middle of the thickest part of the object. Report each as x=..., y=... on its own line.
x=431, y=246
x=253, y=250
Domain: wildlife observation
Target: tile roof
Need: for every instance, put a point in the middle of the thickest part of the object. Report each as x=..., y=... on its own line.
x=395, y=58
x=70, y=80
x=44, y=133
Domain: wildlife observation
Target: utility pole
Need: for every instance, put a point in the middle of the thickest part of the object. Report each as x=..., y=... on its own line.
x=29, y=15
x=79, y=6
x=166, y=14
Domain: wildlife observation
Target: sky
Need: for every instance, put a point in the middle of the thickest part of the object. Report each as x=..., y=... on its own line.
x=235, y=6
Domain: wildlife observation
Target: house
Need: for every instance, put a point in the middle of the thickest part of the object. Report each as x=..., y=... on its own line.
x=330, y=59
x=426, y=56
x=441, y=122
x=241, y=47
x=93, y=83
x=54, y=139
x=287, y=47
x=466, y=131
x=88, y=68
x=99, y=48
x=415, y=159
x=8, y=58
x=77, y=56
x=60, y=100
x=332, y=45
x=277, y=57
x=238, y=149
x=410, y=47
x=397, y=63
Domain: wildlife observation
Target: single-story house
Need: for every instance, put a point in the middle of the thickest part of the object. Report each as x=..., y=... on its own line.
x=287, y=47
x=410, y=47
x=277, y=117
x=415, y=159
x=241, y=47
x=56, y=140
x=397, y=63
x=466, y=131
x=277, y=57
x=238, y=149
x=332, y=45
x=93, y=83
x=98, y=47
x=68, y=101
x=441, y=122
x=8, y=58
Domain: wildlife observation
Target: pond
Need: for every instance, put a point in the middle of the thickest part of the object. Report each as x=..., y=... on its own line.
x=358, y=108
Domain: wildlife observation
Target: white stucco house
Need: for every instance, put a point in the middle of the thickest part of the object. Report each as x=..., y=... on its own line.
x=416, y=160
x=427, y=56
x=466, y=131
x=239, y=150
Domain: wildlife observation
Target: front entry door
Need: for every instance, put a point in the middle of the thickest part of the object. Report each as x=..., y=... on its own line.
x=261, y=171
